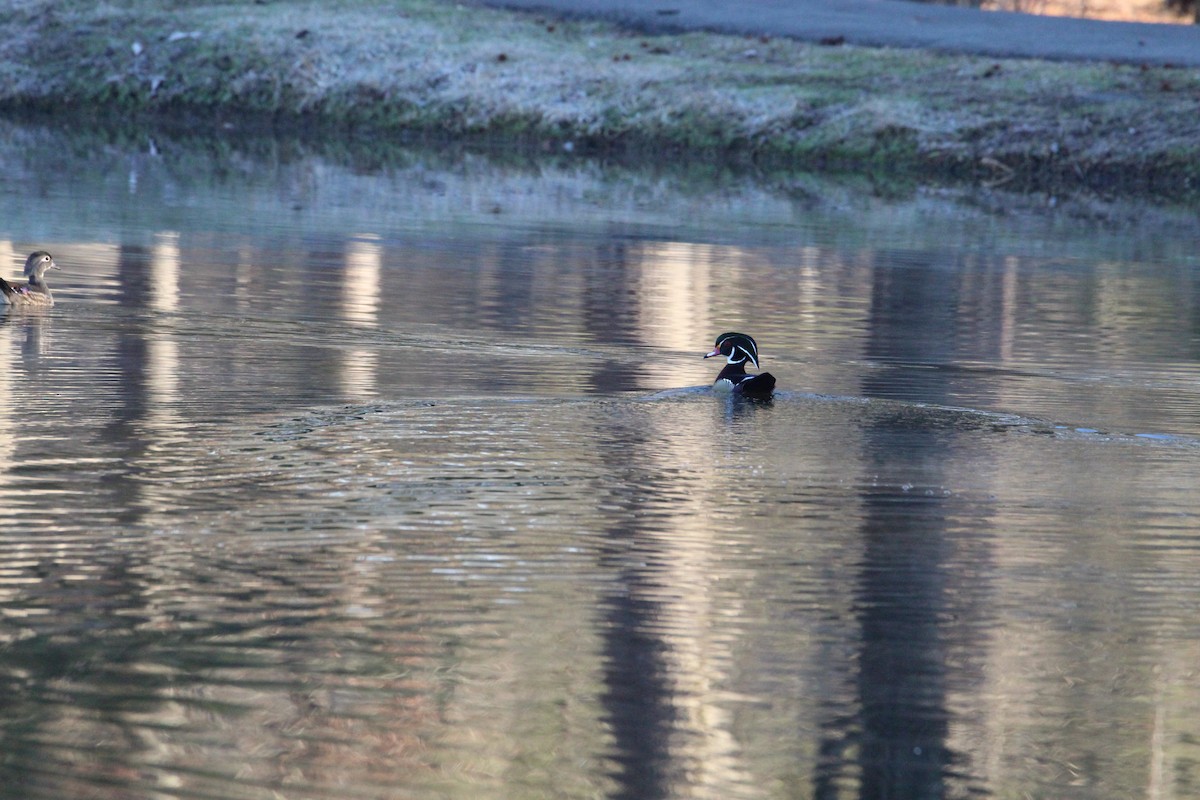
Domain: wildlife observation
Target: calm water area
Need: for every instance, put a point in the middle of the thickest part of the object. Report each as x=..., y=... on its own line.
x=362, y=473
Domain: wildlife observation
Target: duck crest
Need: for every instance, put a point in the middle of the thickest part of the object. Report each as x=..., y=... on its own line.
x=738, y=348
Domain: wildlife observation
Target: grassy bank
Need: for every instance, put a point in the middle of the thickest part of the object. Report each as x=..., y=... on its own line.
x=431, y=67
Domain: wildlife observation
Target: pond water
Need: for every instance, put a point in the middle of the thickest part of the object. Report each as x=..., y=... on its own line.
x=340, y=474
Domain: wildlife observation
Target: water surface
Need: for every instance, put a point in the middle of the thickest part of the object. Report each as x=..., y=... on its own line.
x=333, y=479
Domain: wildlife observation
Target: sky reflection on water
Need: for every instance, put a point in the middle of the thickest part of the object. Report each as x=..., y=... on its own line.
x=336, y=482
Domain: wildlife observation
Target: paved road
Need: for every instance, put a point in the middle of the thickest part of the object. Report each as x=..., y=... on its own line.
x=898, y=23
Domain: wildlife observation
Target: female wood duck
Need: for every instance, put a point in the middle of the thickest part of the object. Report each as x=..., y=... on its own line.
x=738, y=348
x=33, y=293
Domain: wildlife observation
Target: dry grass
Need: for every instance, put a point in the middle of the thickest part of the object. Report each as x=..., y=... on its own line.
x=429, y=66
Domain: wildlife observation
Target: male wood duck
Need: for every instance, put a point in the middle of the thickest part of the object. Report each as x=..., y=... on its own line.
x=738, y=348
x=31, y=293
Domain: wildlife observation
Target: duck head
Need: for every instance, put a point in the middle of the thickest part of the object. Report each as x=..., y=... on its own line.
x=37, y=264
x=738, y=348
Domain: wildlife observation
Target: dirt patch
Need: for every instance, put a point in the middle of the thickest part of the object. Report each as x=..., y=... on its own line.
x=421, y=66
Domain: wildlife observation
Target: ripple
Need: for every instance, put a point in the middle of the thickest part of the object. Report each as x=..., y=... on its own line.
x=346, y=500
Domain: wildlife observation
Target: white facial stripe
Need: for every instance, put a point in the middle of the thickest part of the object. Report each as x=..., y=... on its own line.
x=739, y=354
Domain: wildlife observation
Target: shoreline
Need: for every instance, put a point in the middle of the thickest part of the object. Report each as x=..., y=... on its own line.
x=422, y=68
